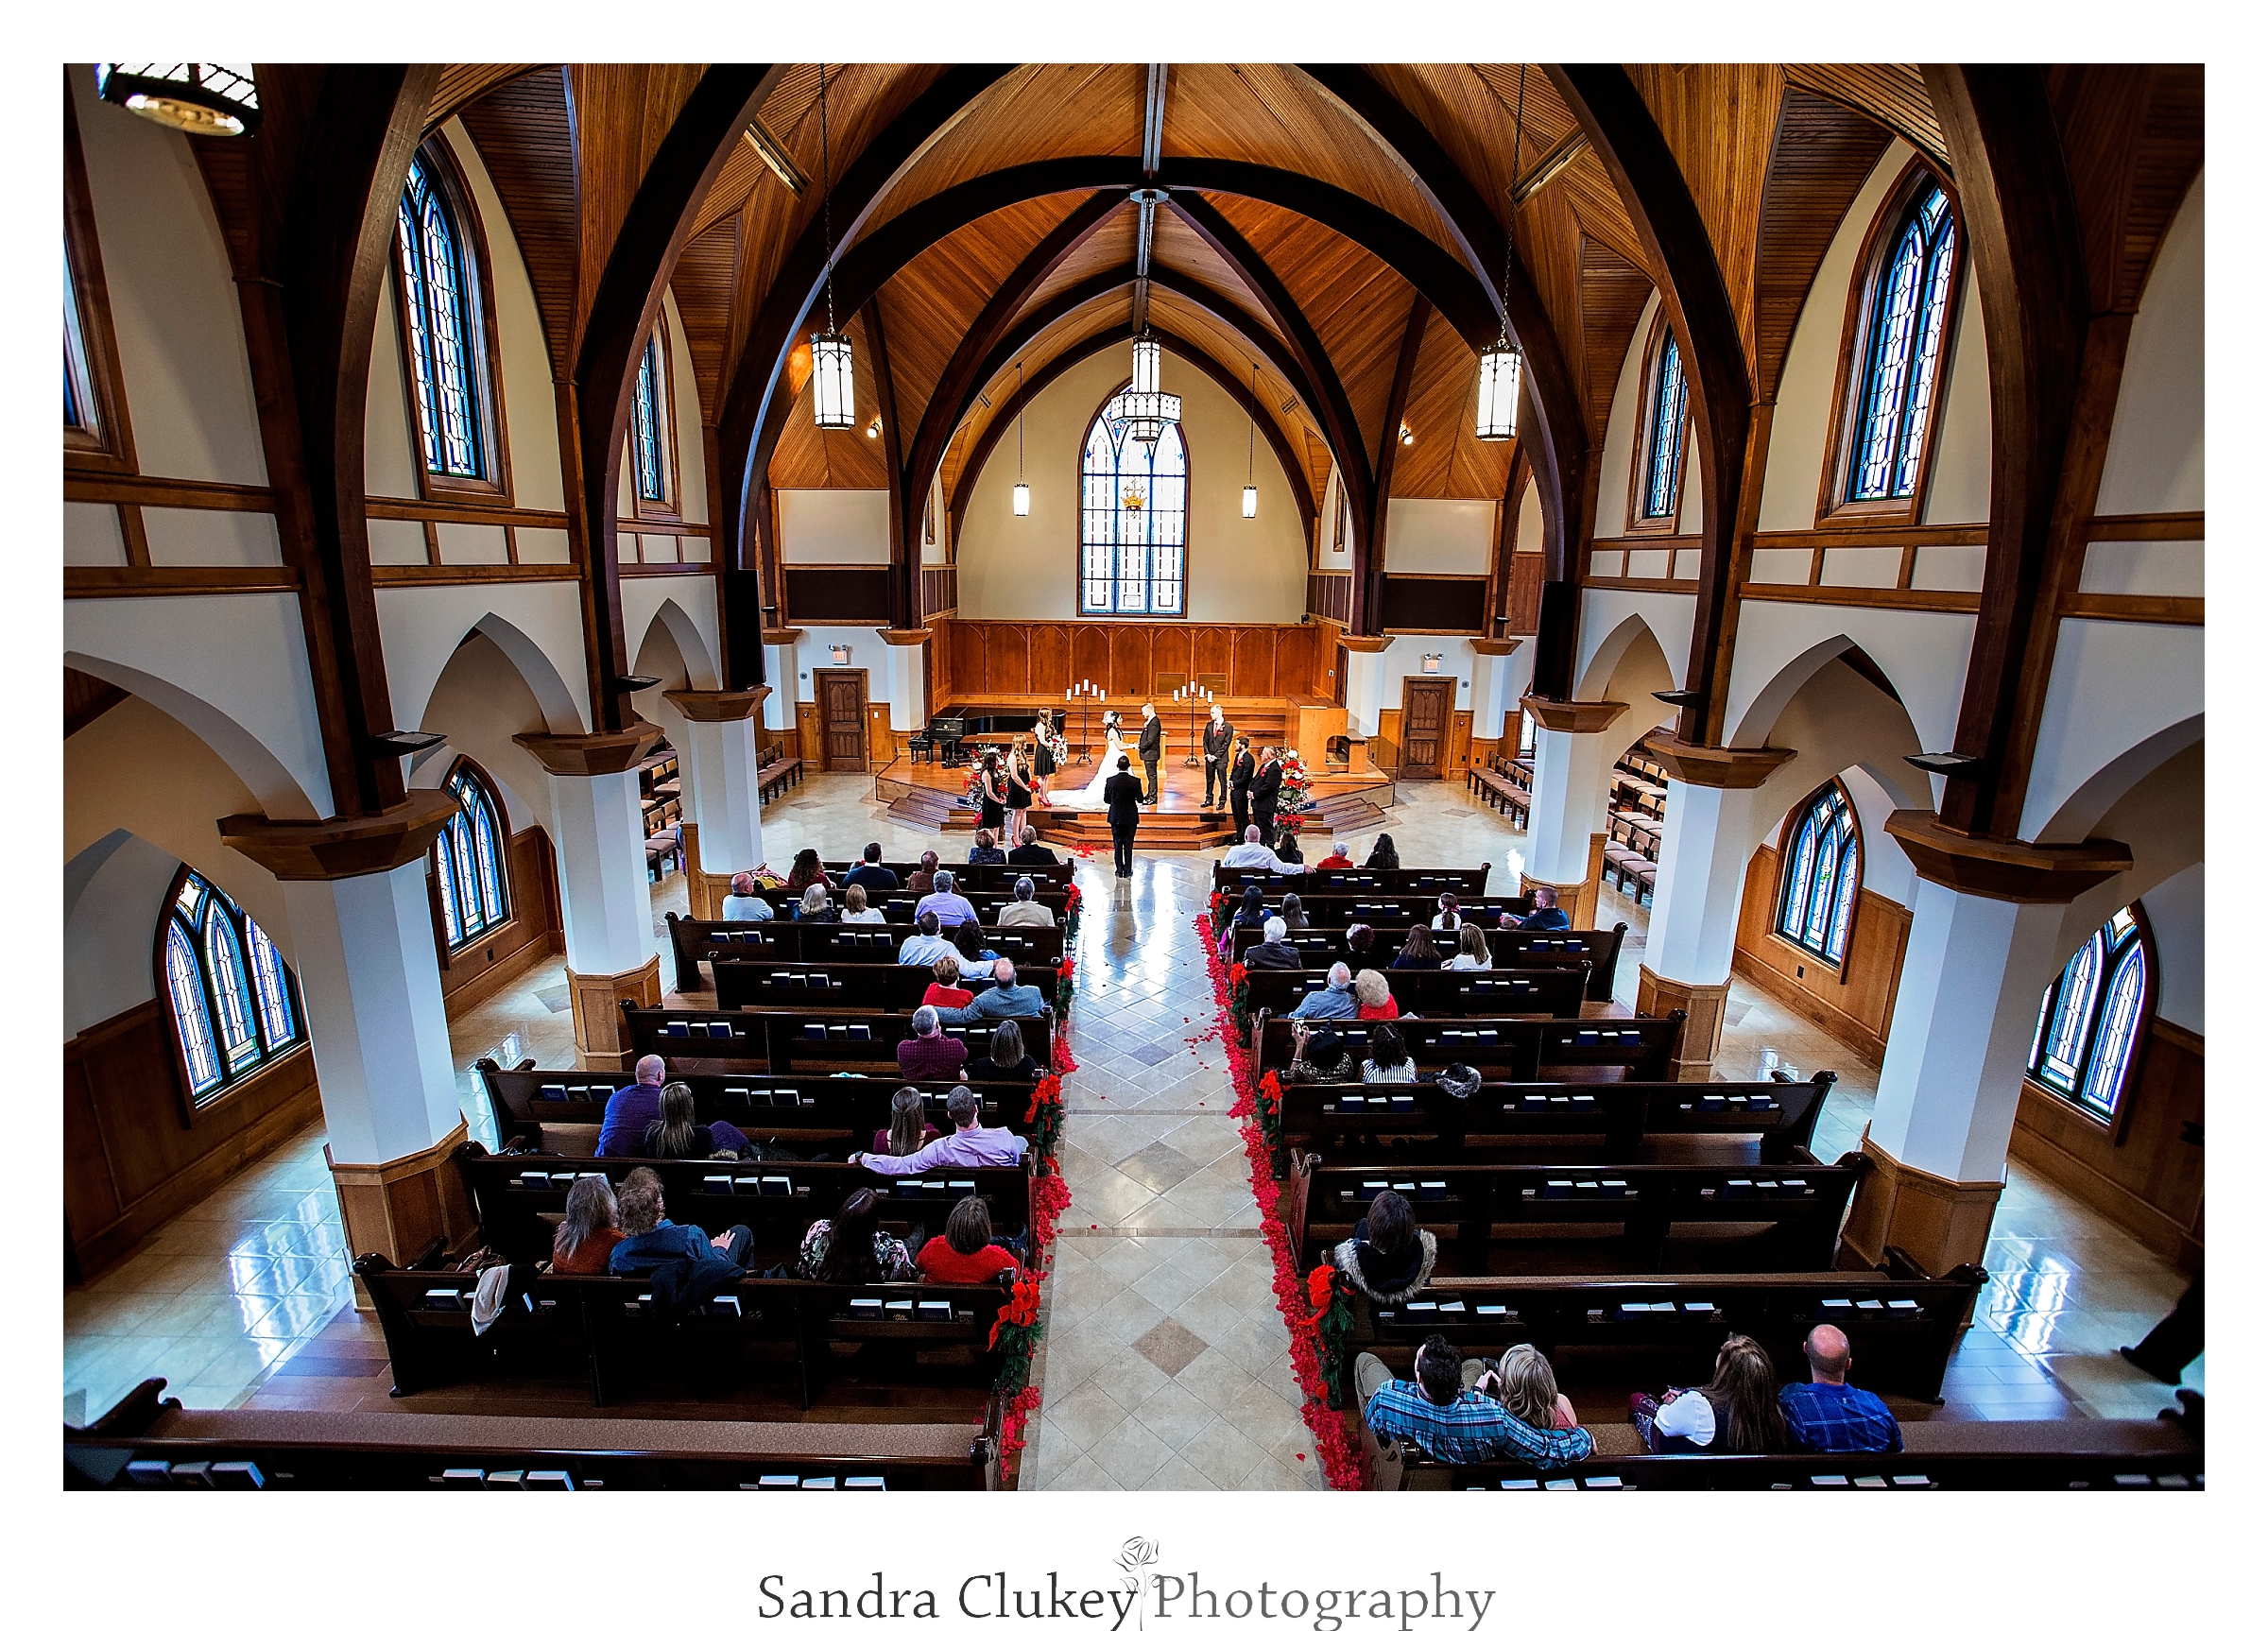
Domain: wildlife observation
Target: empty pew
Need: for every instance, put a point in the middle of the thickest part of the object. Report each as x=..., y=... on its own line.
x=779, y=1042
x=1502, y=782
x=1438, y=991
x=1516, y=1049
x=1601, y=949
x=694, y=941
x=893, y=987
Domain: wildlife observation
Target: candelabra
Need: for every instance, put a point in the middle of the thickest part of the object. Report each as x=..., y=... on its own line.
x=1192, y=693
x=1087, y=693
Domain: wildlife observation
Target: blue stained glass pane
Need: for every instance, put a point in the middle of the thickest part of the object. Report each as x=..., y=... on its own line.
x=491, y=872
x=439, y=303
x=2074, y=1015
x=444, y=876
x=1665, y=432
x=1132, y=559
x=417, y=303
x=646, y=428
x=2114, y=1042
x=192, y=1024
x=1799, y=878
x=277, y=1025
x=1822, y=877
x=1903, y=352
x=1847, y=898
x=239, y=1037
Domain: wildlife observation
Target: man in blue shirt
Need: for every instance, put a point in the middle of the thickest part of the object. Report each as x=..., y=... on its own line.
x=871, y=875
x=924, y=945
x=1005, y=999
x=631, y=1110
x=1447, y=1423
x=1828, y=1414
x=744, y=906
x=1547, y=913
x=1333, y=1002
x=651, y=1242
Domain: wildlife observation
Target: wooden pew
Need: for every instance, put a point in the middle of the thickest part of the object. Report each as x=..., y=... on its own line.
x=152, y=1443
x=893, y=987
x=1466, y=882
x=900, y=907
x=694, y=941
x=778, y=1041
x=1578, y=1323
x=1779, y=1117
x=1516, y=1049
x=1387, y=913
x=995, y=875
x=1507, y=948
x=1438, y=991
x=1504, y=783
x=776, y=777
x=1570, y=1216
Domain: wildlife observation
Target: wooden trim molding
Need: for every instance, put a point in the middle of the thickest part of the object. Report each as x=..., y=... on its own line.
x=109, y=448
x=1368, y=644
x=717, y=707
x=598, y=753
x=2165, y=526
x=1702, y=767
x=124, y=582
x=398, y=1207
x=2004, y=868
x=429, y=577
x=905, y=636
x=1702, y=1033
x=1493, y=648
x=1880, y=599
x=1572, y=718
x=345, y=847
x=162, y=493
x=2184, y=610
x=597, y=1001
x=1944, y=1223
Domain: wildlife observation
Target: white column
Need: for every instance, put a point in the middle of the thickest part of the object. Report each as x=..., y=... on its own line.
x=371, y=988
x=1707, y=835
x=1365, y=691
x=1568, y=802
x=719, y=764
x=602, y=892
x=1969, y=1001
x=1494, y=690
x=908, y=701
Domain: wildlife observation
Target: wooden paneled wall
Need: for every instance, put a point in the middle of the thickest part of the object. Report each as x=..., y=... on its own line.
x=1523, y=595
x=133, y=1154
x=534, y=932
x=1853, y=1007
x=984, y=659
x=1327, y=594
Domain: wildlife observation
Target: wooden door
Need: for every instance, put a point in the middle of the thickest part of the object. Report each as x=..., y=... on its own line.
x=1424, y=726
x=843, y=718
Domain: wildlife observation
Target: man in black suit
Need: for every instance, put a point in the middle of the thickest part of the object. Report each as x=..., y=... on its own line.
x=1268, y=786
x=1241, y=770
x=1029, y=852
x=1218, y=734
x=1122, y=794
x=1151, y=746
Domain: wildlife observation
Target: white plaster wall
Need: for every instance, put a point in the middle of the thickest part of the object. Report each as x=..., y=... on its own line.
x=172, y=298
x=212, y=537
x=2144, y=566
x=480, y=703
x=838, y=526
x=1406, y=659
x=2113, y=686
x=421, y=626
x=90, y=535
x=1840, y=725
x=389, y=440
x=867, y=652
x=2176, y=912
x=1239, y=571
x=1441, y=535
x=1529, y=527
x=1925, y=654
x=2156, y=460
x=1960, y=490
x=692, y=470
x=2161, y=821
x=1670, y=617
x=691, y=612
x=114, y=892
x=1613, y=512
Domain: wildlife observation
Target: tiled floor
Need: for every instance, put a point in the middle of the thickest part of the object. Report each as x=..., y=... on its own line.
x=1167, y=1365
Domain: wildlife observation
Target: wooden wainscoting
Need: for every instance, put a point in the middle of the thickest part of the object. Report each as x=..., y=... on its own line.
x=1385, y=743
x=133, y=1156
x=988, y=658
x=534, y=932
x=2136, y=1170
x=1852, y=1006
x=811, y=737
x=1456, y=748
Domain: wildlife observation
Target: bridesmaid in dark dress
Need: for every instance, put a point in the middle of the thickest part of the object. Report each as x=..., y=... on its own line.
x=990, y=807
x=1018, y=789
x=1043, y=764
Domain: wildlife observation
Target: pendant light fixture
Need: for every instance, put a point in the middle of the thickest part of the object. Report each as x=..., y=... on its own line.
x=1023, y=503
x=196, y=98
x=1251, y=432
x=1497, y=414
x=1146, y=409
x=834, y=396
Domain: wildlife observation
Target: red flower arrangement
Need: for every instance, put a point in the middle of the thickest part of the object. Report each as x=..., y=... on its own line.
x=1021, y=1311
x=1045, y=1114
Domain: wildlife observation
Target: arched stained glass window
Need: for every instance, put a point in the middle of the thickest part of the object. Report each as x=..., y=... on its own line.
x=1665, y=432
x=2092, y=1015
x=1901, y=349
x=1819, y=875
x=1133, y=521
x=648, y=433
x=235, y=1005
x=439, y=300
x=467, y=861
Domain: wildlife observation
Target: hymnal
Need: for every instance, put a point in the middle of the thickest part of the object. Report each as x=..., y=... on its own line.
x=1587, y=1038
x=726, y=1306
x=928, y=1310
x=511, y=1480
x=443, y=1297
x=1559, y=1483
x=779, y=1480
x=1350, y=1104
x=778, y=1184
x=1488, y=1038
x=549, y=1480
x=861, y=1034
x=752, y=1186
x=535, y=1180
x=676, y=1028
x=1422, y=1307
x=1402, y=1104
x=815, y=1032
x=1456, y=1308
x=721, y=1030
x=148, y=1473
x=1518, y=1483
x=553, y=1093
x=192, y=1474
x=1490, y=1311
x=740, y=1096
x=718, y=1183
x=1608, y=1483
x=866, y=1308
x=899, y=1308
x=463, y=1477
x=819, y=1483
x=862, y=1484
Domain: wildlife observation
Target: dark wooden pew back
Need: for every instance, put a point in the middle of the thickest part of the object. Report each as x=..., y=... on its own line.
x=1516, y=1049
x=1438, y=991
x=779, y=1041
x=1466, y=883
x=1507, y=948
x=891, y=988
x=694, y=941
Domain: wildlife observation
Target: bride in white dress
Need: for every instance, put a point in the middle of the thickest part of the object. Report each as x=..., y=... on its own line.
x=1090, y=797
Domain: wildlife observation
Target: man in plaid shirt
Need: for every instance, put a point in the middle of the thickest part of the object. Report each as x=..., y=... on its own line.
x=1826, y=1414
x=1450, y=1424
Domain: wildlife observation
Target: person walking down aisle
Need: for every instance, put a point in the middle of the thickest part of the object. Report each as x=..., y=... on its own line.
x=1122, y=794
x=1152, y=745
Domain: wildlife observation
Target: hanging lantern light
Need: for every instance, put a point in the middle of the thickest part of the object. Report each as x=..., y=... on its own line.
x=196, y=98
x=1496, y=415
x=1147, y=355
x=1146, y=409
x=1021, y=502
x=1251, y=432
x=833, y=392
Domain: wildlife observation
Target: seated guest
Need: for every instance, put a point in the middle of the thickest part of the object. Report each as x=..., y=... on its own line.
x=1826, y=1414
x=676, y=1136
x=967, y=1146
x=744, y=906
x=1447, y=918
x=924, y=945
x=1361, y=937
x=1336, y=861
x=1472, y=948
x=984, y=851
x=1007, y=1061
x=1507, y=919
x=922, y=877
x=927, y=1055
x=1251, y=912
x=1294, y=912
x=1390, y=1258
x=1522, y=1382
x=1547, y=913
x=1335, y=1000
x=969, y=945
x=1005, y=999
x=814, y=907
x=1255, y=854
x=1389, y=1059
x=1029, y=852
x=1373, y=998
x=951, y=908
x=909, y=1128
x=1288, y=858
x=855, y=909
x=1447, y=1423
x=1320, y=1056
x=965, y=1253
x=1024, y=912
x=1737, y=1414
x=586, y=1236
x=651, y=1242
x=849, y=1249
x=871, y=874
x=945, y=988
x=631, y=1110
x=806, y=871
x=1382, y=854
x=1417, y=951
x=1273, y=952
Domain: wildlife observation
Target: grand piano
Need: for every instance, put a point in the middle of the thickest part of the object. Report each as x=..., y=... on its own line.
x=950, y=731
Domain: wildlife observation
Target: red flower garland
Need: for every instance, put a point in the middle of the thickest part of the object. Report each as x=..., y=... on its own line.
x=1021, y=1309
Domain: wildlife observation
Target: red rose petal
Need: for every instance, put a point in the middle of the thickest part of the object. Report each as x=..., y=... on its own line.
x=1301, y=1454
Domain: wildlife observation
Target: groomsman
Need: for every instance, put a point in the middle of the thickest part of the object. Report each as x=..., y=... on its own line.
x=1241, y=772
x=1151, y=746
x=1217, y=738
x=1268, y=786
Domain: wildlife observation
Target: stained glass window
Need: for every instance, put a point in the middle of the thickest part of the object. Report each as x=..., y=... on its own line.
x=1133, y=521
x=1665, y=432
x=438, y=284
x=648, y=433
x=2091, y=1014
x=1819, y=876
x=467, y=861
x=1902, y=350
x=235, y=1005
x=78, y=404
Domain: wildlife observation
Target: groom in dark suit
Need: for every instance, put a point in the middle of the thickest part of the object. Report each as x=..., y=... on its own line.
x=1151, y=746
x=1268, y=787
x=1122, y=796
x=1218, y=734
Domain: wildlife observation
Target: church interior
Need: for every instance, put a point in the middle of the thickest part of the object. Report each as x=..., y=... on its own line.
x=1700, y=672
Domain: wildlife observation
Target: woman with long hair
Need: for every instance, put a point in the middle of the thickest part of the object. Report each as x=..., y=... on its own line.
x=814, y=907
x=587, y=1235
x=1472, y=948
x=806, y=871
x=966, y=1253
x=1046, y=748
x=1018, y=790
x=1007, y=1061
x=1390, y=1258
x=1389, y=1059
x=991, y=796
x=679, y=1137
x=1449, y=921
x=1382, y=854
x=1522, y=1382
x=1419, y=951
x=909, y=1128
x=849, y=1250
x=1250, y=913
x=1295, y=913
x=1736, y=1413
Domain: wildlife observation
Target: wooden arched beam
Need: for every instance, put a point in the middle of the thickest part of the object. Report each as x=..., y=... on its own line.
x=623, y=309
x=1197, y=355
x=1661, y=208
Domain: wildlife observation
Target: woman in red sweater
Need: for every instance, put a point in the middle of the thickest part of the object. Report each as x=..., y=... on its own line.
x=966, y=1253
x=945, y=990
x=586, y=1238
